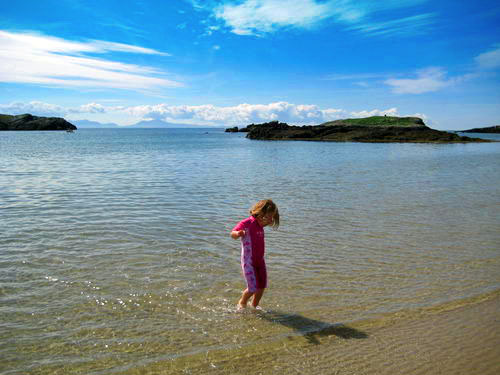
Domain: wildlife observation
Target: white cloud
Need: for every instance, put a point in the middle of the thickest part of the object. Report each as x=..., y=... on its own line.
x=243, y=114
x=240, y=114
x=38, y=59
x=35, y=108
x=490, y=59
x=376, y=112
x=427, y=80
x=38, y=108
x=257, y=17
x=91, y=108
x=207, y=114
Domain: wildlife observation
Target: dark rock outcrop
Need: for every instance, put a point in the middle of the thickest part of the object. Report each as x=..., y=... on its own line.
x=30, y=122
x=489, y=129
x=246, y=129
x=371, y=129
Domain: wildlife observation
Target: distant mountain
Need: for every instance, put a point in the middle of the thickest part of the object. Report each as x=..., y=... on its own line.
x=87, y=124
x=161, y=124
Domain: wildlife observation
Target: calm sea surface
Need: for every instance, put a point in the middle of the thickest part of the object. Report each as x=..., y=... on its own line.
x=115, y=254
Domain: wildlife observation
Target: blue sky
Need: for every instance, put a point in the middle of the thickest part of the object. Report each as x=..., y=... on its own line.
x=226, y=63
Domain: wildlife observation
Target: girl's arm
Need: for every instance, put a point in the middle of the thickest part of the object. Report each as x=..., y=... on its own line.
x=235, y=234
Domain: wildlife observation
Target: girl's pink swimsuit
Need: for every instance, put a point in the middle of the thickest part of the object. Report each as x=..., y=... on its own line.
x=252, y=254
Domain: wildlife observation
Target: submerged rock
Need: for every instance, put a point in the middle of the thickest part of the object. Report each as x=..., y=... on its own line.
x=30, y=122
x=370, y=129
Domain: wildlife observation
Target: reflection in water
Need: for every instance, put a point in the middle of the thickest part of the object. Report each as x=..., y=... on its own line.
x=310, y=328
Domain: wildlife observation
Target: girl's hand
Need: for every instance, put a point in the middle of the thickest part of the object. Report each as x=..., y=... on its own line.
x=237, y=234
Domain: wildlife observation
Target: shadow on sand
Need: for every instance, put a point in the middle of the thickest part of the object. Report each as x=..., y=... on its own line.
x=311, y=329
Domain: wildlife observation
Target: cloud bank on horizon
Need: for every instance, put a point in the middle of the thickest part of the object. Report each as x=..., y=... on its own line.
x=206, y=115
x=236, y=62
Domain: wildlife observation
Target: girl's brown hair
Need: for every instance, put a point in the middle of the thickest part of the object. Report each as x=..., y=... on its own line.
x=265, y=207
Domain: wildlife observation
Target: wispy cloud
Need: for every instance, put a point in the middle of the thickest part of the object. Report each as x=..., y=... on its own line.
x=426, y=80
x=404, y=26
x=437, y=78
x=490, y=59
x=263, y=16
x=100, y=46
x=258, y=17
x=39, y=59
x=364, y=80
x=352, y=77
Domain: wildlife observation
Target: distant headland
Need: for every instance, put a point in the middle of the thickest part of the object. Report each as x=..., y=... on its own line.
x=369, y=129
x=489, y=129
x=30, y=122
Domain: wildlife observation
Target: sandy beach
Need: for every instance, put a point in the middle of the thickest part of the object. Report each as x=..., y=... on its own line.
x=462, y=341
x=465, y=340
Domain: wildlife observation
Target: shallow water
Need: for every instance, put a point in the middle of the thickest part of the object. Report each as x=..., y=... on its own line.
x=115, y=254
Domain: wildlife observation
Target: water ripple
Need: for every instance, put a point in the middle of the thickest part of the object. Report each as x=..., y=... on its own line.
x=115, y=250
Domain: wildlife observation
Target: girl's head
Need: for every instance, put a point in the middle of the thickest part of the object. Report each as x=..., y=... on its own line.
x=266, y=212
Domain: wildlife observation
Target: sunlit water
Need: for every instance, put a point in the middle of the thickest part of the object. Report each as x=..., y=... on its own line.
x=115, y=252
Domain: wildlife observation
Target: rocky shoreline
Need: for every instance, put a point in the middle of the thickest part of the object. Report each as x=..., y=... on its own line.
x=29, y=122
x=371, y=129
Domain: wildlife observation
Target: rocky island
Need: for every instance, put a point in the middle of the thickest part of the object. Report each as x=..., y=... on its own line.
x=30, y=122
x=370, y=129
x=489, y=129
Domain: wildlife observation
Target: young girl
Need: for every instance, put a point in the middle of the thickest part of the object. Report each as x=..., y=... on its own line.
x=251, y=232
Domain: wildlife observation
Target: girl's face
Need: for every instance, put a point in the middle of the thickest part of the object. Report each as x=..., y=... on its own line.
x=266, y=219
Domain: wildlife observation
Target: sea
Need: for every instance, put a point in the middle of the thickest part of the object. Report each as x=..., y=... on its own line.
x=115, y=254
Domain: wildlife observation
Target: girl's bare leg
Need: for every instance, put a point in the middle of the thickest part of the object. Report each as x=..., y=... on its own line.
x=245, y=296
x=256, y=297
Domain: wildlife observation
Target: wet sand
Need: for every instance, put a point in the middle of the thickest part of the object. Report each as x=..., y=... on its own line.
x=465, y=341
